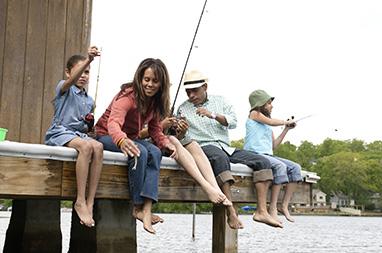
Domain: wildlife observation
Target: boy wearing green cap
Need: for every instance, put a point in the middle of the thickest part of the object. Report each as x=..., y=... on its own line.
x=260, y=139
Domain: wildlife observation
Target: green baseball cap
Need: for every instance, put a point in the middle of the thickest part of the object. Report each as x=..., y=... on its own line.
x=259, y=98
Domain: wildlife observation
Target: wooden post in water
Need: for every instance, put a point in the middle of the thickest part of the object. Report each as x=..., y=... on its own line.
x=224, y=239
x=115, y=229
x=34, y=227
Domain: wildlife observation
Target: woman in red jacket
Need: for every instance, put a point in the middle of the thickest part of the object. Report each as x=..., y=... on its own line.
x=144, y=101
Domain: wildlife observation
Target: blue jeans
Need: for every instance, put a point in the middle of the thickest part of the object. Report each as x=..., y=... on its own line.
x=143, y=181
x=284, y=170
x=220, y=162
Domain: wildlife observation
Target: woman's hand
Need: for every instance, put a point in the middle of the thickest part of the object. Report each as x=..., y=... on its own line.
x=129, y=148
x=168, y=122
x=172, y=149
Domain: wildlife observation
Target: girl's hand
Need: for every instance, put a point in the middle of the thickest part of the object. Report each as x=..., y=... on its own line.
x=172, y=149
x=129, y=148
x=290, y=124
x=93, y=52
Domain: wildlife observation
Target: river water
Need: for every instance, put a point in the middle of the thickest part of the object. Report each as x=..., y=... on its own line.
x=308, y=234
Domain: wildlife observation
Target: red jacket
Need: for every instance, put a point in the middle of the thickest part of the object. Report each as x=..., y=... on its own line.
x=122, y=119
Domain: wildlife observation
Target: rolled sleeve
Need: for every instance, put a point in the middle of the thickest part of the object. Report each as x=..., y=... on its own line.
x=230, y=115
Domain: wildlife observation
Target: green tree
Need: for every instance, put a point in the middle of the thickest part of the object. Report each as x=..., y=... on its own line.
x=306, y=154
x=286, y=150
x=238, y=144
x=344, y=172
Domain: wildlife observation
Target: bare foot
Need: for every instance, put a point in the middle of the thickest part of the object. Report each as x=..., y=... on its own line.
x=83, y=213
x=227, y=202
x=90, y=209
x=138, y=214
x=216, y=196
x=266, y=219
x=273, y=214
x=285, y=212
x=156, y=219
x=147, y=222
x=233, y=220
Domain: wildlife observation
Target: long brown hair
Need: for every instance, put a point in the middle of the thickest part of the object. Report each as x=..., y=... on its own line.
x=161, y=100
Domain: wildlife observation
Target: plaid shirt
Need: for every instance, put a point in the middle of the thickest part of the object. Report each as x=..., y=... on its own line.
x=208, y=131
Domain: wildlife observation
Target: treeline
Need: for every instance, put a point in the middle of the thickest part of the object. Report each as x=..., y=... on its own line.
x=351, y=167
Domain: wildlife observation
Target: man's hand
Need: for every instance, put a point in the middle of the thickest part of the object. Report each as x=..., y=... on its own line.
x=201, y=111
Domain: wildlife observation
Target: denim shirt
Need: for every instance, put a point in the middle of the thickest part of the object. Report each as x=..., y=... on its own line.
x=71, y=108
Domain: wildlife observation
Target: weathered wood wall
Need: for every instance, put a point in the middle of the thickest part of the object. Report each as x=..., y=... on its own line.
x=36, y=39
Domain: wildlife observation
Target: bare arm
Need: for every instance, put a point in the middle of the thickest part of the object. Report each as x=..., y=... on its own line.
x=280, y=138
x=259, y=117
x=76, y=72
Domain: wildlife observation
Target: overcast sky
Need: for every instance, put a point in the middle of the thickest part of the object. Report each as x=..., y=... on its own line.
x=316, y=57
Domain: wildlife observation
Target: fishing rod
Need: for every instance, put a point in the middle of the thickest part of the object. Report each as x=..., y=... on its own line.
x=188, y=57
x=97, y=82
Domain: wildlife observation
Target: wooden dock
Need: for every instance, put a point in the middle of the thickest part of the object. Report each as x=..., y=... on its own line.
x=39, y=176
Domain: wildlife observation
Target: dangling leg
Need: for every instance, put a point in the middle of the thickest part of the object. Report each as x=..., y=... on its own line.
x=188, y=163
x=135, y=176
x=290, y=188
x=274, y=198
x=82, y=168
x=294, y=176
x=206, y=170
x=261, y=214
x=149, y=190
x=95, y=172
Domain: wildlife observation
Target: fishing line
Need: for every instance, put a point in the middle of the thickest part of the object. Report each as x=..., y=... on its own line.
x=188, y=57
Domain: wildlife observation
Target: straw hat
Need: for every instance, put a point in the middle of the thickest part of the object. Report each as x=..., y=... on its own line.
x=259, y=98
x=194, y=79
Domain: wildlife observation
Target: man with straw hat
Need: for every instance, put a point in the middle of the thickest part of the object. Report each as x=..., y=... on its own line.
x=209, y=118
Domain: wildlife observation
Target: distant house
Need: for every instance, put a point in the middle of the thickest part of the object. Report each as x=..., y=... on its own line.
x=338, y=200
x=376, y=199
x=319, y=197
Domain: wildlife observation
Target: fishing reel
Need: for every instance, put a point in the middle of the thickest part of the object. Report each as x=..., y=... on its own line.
x=173, y=129
x=89, y=121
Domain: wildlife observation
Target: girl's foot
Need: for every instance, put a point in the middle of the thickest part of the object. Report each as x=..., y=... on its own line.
x=83, y=213
x=266, y=219
x=285, y=212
